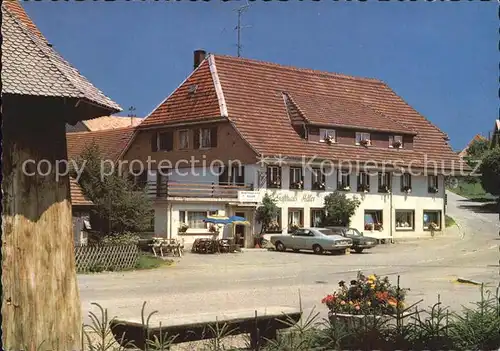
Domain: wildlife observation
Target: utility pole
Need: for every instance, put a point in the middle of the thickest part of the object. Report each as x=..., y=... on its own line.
x=239, y=27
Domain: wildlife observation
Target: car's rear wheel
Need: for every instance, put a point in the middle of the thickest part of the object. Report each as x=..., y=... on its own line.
x=280, y=247
x=358, y=250
x=317, y=249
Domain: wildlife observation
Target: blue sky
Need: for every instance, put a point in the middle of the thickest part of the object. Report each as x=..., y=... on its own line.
x=441, y=57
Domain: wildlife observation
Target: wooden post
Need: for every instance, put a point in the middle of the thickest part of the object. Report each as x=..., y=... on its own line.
x=40, y=302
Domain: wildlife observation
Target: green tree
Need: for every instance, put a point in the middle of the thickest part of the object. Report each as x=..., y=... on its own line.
x=119, y=206
x=266, y=212
x=339, y=209
x=490, y=171
x=475, y=153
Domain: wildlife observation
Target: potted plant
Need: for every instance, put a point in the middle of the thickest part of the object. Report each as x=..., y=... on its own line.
x=407, y=189
x=183, y=228
x=330, y=140
x=397, y=144
x=364, y=188
x=369, y=226
x=273, y=227
x=294, y=227
x=365, y=296
x=378, y=226
x=297, y=185
x=213, y=229
x=384, y=189
x=319, y=185
x=257, y=240
x=433, y=189
x=344, y=187
x=364, y=142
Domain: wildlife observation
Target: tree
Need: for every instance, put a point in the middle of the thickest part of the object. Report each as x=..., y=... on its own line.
x=490, y=171
x=475, y=152
x=266, y=212
x=338, y=209
x=119, y=205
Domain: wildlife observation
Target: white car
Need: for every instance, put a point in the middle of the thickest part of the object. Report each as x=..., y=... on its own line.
x=318, y=240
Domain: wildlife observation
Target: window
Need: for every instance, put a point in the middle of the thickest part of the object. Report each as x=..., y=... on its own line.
x=294, y=219
x=316, y=217
x=405, y=220
x=363, y=182
x=327, y=135
x=396, y=141
x=432, y=217
x=384, y=182
x=318, y=179
x=344, y=181
x=373, y=220
x=162, y=181
x=274, y=177
x=406, y=182
x=205, y=138
x=166, y=141
x=275, y=225
x=232, y=176
x=303, y=232
x=296, y=180
x=183, y=139
x=433, y=183
x=363, y=139
x=194, y=219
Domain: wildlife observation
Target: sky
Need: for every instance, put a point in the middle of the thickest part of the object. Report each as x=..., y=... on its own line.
x=442, y=58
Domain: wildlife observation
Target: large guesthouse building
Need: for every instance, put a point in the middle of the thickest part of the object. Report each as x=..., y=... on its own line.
x=237, y=129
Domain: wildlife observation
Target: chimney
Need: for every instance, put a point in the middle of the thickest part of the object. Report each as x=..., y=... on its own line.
x=199, y=56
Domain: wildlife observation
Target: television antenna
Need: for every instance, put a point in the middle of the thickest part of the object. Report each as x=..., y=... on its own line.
x=131, y=114
x=240, y=10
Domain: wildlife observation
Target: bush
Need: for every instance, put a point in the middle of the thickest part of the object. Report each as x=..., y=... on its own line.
x=339, y=209
x=120, y=239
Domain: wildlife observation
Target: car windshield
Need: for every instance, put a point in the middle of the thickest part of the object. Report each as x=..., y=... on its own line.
x=353, y=231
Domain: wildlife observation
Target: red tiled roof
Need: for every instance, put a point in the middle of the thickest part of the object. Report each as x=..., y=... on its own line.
x=111, y=142
x=111, y=122
x=183, y=105
x=335, y=111
x=477, y=137
x=252, y=92
x=77, y=197
x=15, y=8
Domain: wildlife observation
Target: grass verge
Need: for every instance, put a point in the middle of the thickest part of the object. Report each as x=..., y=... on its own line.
x=449, y=221
x=146, y=261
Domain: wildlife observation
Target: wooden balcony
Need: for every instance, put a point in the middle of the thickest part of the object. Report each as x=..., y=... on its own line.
x=181, y=189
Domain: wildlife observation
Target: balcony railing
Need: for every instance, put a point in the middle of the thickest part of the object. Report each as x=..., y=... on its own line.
x=195, y=189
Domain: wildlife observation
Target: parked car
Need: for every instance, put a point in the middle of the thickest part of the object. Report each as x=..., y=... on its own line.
x=359, y=241
x=318, y=240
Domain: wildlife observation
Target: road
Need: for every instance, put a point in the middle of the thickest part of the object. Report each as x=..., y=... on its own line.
x=210, y=283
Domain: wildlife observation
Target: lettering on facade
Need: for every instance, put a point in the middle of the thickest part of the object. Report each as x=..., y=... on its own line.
x=296, y=198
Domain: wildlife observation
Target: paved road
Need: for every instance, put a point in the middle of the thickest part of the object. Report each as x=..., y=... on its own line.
x=210, y=283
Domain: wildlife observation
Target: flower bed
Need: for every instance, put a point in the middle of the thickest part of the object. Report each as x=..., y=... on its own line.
x=365, y=296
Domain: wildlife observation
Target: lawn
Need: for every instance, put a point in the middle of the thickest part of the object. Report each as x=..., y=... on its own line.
x=472, y=191
x=146, y=261
x=449, y=221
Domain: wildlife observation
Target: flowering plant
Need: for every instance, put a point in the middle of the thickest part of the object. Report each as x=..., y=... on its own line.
x=183, y=228
x=366, y=295
x=397, y=144
x=365, y=142
x=213, y=228
x=330, y=139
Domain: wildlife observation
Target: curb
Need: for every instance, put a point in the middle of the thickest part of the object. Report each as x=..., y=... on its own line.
x=468, y=281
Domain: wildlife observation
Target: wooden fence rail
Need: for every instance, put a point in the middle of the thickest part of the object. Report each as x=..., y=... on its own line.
x=97, y=258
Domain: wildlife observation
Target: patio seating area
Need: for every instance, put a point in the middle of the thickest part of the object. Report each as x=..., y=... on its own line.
x=166, y=247
x=213, y=245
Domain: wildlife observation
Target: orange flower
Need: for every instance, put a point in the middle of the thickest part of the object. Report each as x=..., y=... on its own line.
x=392, y=301
x=382, y=296
x=328, y=299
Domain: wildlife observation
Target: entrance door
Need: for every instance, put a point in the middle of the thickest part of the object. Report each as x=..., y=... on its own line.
x=239, y=231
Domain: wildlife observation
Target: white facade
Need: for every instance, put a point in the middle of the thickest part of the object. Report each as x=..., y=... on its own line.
x=393, y=209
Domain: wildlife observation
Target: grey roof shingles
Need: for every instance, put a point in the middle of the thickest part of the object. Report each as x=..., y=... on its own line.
x=30, y=66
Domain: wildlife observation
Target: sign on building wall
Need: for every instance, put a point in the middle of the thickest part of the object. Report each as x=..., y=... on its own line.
x=248, y=196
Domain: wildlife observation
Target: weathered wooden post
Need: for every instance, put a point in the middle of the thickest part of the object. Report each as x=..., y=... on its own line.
x=41, y=93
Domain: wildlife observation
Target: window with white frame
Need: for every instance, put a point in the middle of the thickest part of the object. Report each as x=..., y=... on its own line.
x=327, y=135
x=296, y=180
x=374, y=220
x=406, y=182
x=432, y=183
x=294, y=219
x=363, y=138
x=205, y=138
x=344, y=180
x=432, y=216
x=318, y=179
x=194, y=219
x=274, y=177
x=405, y=220
x=396, y=141
x=184, y=139
x=384, y=182
x=316, y=217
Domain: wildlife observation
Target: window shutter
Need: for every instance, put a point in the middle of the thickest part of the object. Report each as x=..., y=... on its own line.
x=224, y=176
x=213, y=137
x=154, y=142
x=170, y=141
x=196, y=136
x=367, y=179
x=409, y=180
